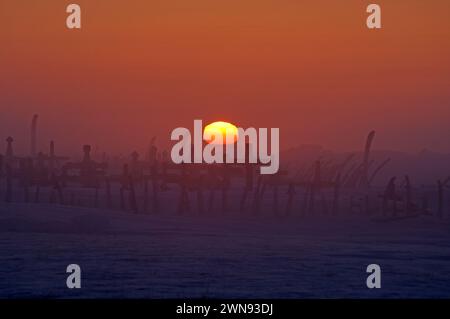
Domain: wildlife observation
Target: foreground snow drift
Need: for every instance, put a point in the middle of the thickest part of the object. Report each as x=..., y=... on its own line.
x=126, y=255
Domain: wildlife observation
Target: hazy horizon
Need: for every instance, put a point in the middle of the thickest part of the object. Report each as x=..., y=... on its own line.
x=66, y=145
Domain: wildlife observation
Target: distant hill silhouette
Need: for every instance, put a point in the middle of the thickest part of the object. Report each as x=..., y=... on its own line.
x=425, y=167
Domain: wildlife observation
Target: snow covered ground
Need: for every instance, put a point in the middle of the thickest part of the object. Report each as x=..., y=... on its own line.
x=164, y=256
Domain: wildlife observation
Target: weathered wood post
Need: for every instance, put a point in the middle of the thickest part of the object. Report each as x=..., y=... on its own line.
x=256, y=196
x=440, y=199
x=164, y=167
x=33, y=135
x=275, y=196
x=408, y=196
x=96, y=196
x=389, y=194
x=315, y=187
x=378, y=169
x=1, y=170
x=154, y=171
x=9, y=157
x=212, y=190
x=183, y=203
x=351, y=203
x=57, y=188
x=394, y=206
x=249, y=171
x=336, y=195
x=9, y=184
x=225, y=183
x=108, y=193
x=262, y=192
x=366, y=204
x=425, y=208
x=155, y=189
x=132, y=195
x=60, y=193
x=243, y=199
x=305, y=199
x=25, y=179
x=122, y=199
x=184, y=200
x=364, y=181
x=290, y=193
x=37, y=192
x=248, y=187
x=445, y=184
x=145, y=195
x=124, y=186
x=200, y=198
x=26, y=190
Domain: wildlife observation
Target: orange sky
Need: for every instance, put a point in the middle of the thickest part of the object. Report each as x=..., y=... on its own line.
x=140, y=68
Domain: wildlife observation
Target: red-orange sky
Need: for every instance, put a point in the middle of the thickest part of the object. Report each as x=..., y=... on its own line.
x=139, y=68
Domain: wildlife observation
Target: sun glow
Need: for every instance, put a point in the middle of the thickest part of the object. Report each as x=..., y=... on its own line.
x=228, y=131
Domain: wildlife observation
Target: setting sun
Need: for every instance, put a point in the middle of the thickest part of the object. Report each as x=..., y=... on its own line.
x=228, y=131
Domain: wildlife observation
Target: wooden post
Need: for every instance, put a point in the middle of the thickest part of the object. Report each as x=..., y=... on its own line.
x=440, y=194
x=324, y=203
x=212, y=194
x=366, y=204
x=108, y=193
x=132, y=195
x=378, y=169
x=9, y=190
x=389, y=194
x=96, y=197
x=425, y=204
x=275, y=198
x=305, y=199
x=26, y=190
x=212, y=178
x=122, y=199
x=243, y=199
x=352, y=204
x=248, y=185
x=26, y=179
x=59, y=191
x=155, y=189
x=124, y=186
x=183, y=203
x=249, y=176
x=394, y=207
x=256, y=196
x=1, y=170
x=225, y=184
x=224, y=200
x=200, y=199
x=290, y=193
x=337, y=193
x=145, y=195
x=315, y=186
x=51, y=198
x=364, y=181
x=37, y=192
x=408, y=201
x=261, y=194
